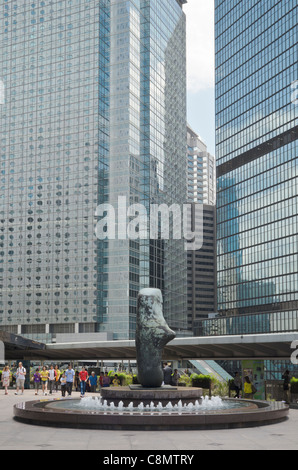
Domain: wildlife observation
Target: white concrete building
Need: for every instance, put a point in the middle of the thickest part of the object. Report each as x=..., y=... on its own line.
x=201, y=170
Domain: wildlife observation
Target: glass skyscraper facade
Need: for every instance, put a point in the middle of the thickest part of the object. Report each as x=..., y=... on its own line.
x=257, y=157
x=95, y=108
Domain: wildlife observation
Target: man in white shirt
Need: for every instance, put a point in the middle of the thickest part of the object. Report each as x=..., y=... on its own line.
x=52, y=376
x=20, y=378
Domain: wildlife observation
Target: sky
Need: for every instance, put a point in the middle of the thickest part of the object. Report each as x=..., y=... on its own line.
x=200, y=69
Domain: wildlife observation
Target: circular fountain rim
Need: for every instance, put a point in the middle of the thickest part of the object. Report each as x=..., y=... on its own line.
x=190, y=408
x=40, y=413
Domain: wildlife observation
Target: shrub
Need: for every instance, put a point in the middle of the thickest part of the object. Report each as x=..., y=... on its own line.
x=200, y=381
x=231, y=384
x=294, y=385
x=111, y=374
x=123, y=378
x=220, y=388
x=185, y=381
x=128, y=379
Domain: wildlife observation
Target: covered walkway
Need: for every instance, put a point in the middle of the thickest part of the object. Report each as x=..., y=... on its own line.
x=260, y=346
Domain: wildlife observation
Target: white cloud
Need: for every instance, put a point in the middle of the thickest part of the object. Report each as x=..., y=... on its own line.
x=200, y=44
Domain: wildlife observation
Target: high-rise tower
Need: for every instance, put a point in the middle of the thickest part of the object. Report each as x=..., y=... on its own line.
x=257, y=164
x=201, y=171
x=95, y=108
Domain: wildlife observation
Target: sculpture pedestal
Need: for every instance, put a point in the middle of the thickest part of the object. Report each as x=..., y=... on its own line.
x=138, y=394
x=163, y=387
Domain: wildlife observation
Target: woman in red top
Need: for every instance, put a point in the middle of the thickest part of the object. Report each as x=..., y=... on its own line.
x=101, y=379
x=83, y=380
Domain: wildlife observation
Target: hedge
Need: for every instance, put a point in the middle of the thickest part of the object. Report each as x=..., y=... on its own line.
x=294, y=385
x=200, y=380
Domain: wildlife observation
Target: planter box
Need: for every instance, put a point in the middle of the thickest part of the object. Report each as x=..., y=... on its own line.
x=201, y=383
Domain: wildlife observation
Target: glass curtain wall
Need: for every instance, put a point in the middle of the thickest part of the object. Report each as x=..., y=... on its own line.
x=94, y=109
x=257, y=156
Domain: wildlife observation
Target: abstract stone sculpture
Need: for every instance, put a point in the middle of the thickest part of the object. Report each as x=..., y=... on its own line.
x=152, y=334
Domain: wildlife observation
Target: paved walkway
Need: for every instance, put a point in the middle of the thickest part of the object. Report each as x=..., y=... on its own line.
x=18, y=436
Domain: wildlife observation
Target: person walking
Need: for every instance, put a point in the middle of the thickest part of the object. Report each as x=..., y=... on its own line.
x=63, y=384
x=101, y=376
x=167, y=374
x=52, y=377
x=248, y=388
x=6, y=379
x=57, y=377
x=37, y=381
x=175, y=378
x=83, y=381
x=20, y=377
x=44, y=375
x=93, y=382
x=70, y=375
x=106, y=380
x=286, y=386
x=76, y=382
x=237, y=384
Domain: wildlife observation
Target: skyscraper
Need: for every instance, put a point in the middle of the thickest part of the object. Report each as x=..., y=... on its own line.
x=257, y=164
x=201, y=171
x=201, y=263
x=95, y=108
x=201, y=270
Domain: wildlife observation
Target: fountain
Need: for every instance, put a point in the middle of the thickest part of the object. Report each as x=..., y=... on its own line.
x=151, y=406
x=152, y=335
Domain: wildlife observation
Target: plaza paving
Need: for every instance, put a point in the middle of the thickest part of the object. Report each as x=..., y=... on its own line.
x=18, y=436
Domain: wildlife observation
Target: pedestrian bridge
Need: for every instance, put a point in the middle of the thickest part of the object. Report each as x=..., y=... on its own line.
x=277, y=346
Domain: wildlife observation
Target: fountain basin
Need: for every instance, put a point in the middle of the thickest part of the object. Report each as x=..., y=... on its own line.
x=138, y=394
x=66, y=413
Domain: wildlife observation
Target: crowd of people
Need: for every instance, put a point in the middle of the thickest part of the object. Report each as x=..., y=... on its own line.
x=249, y=390
x=49, y=380
x=170, y=377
